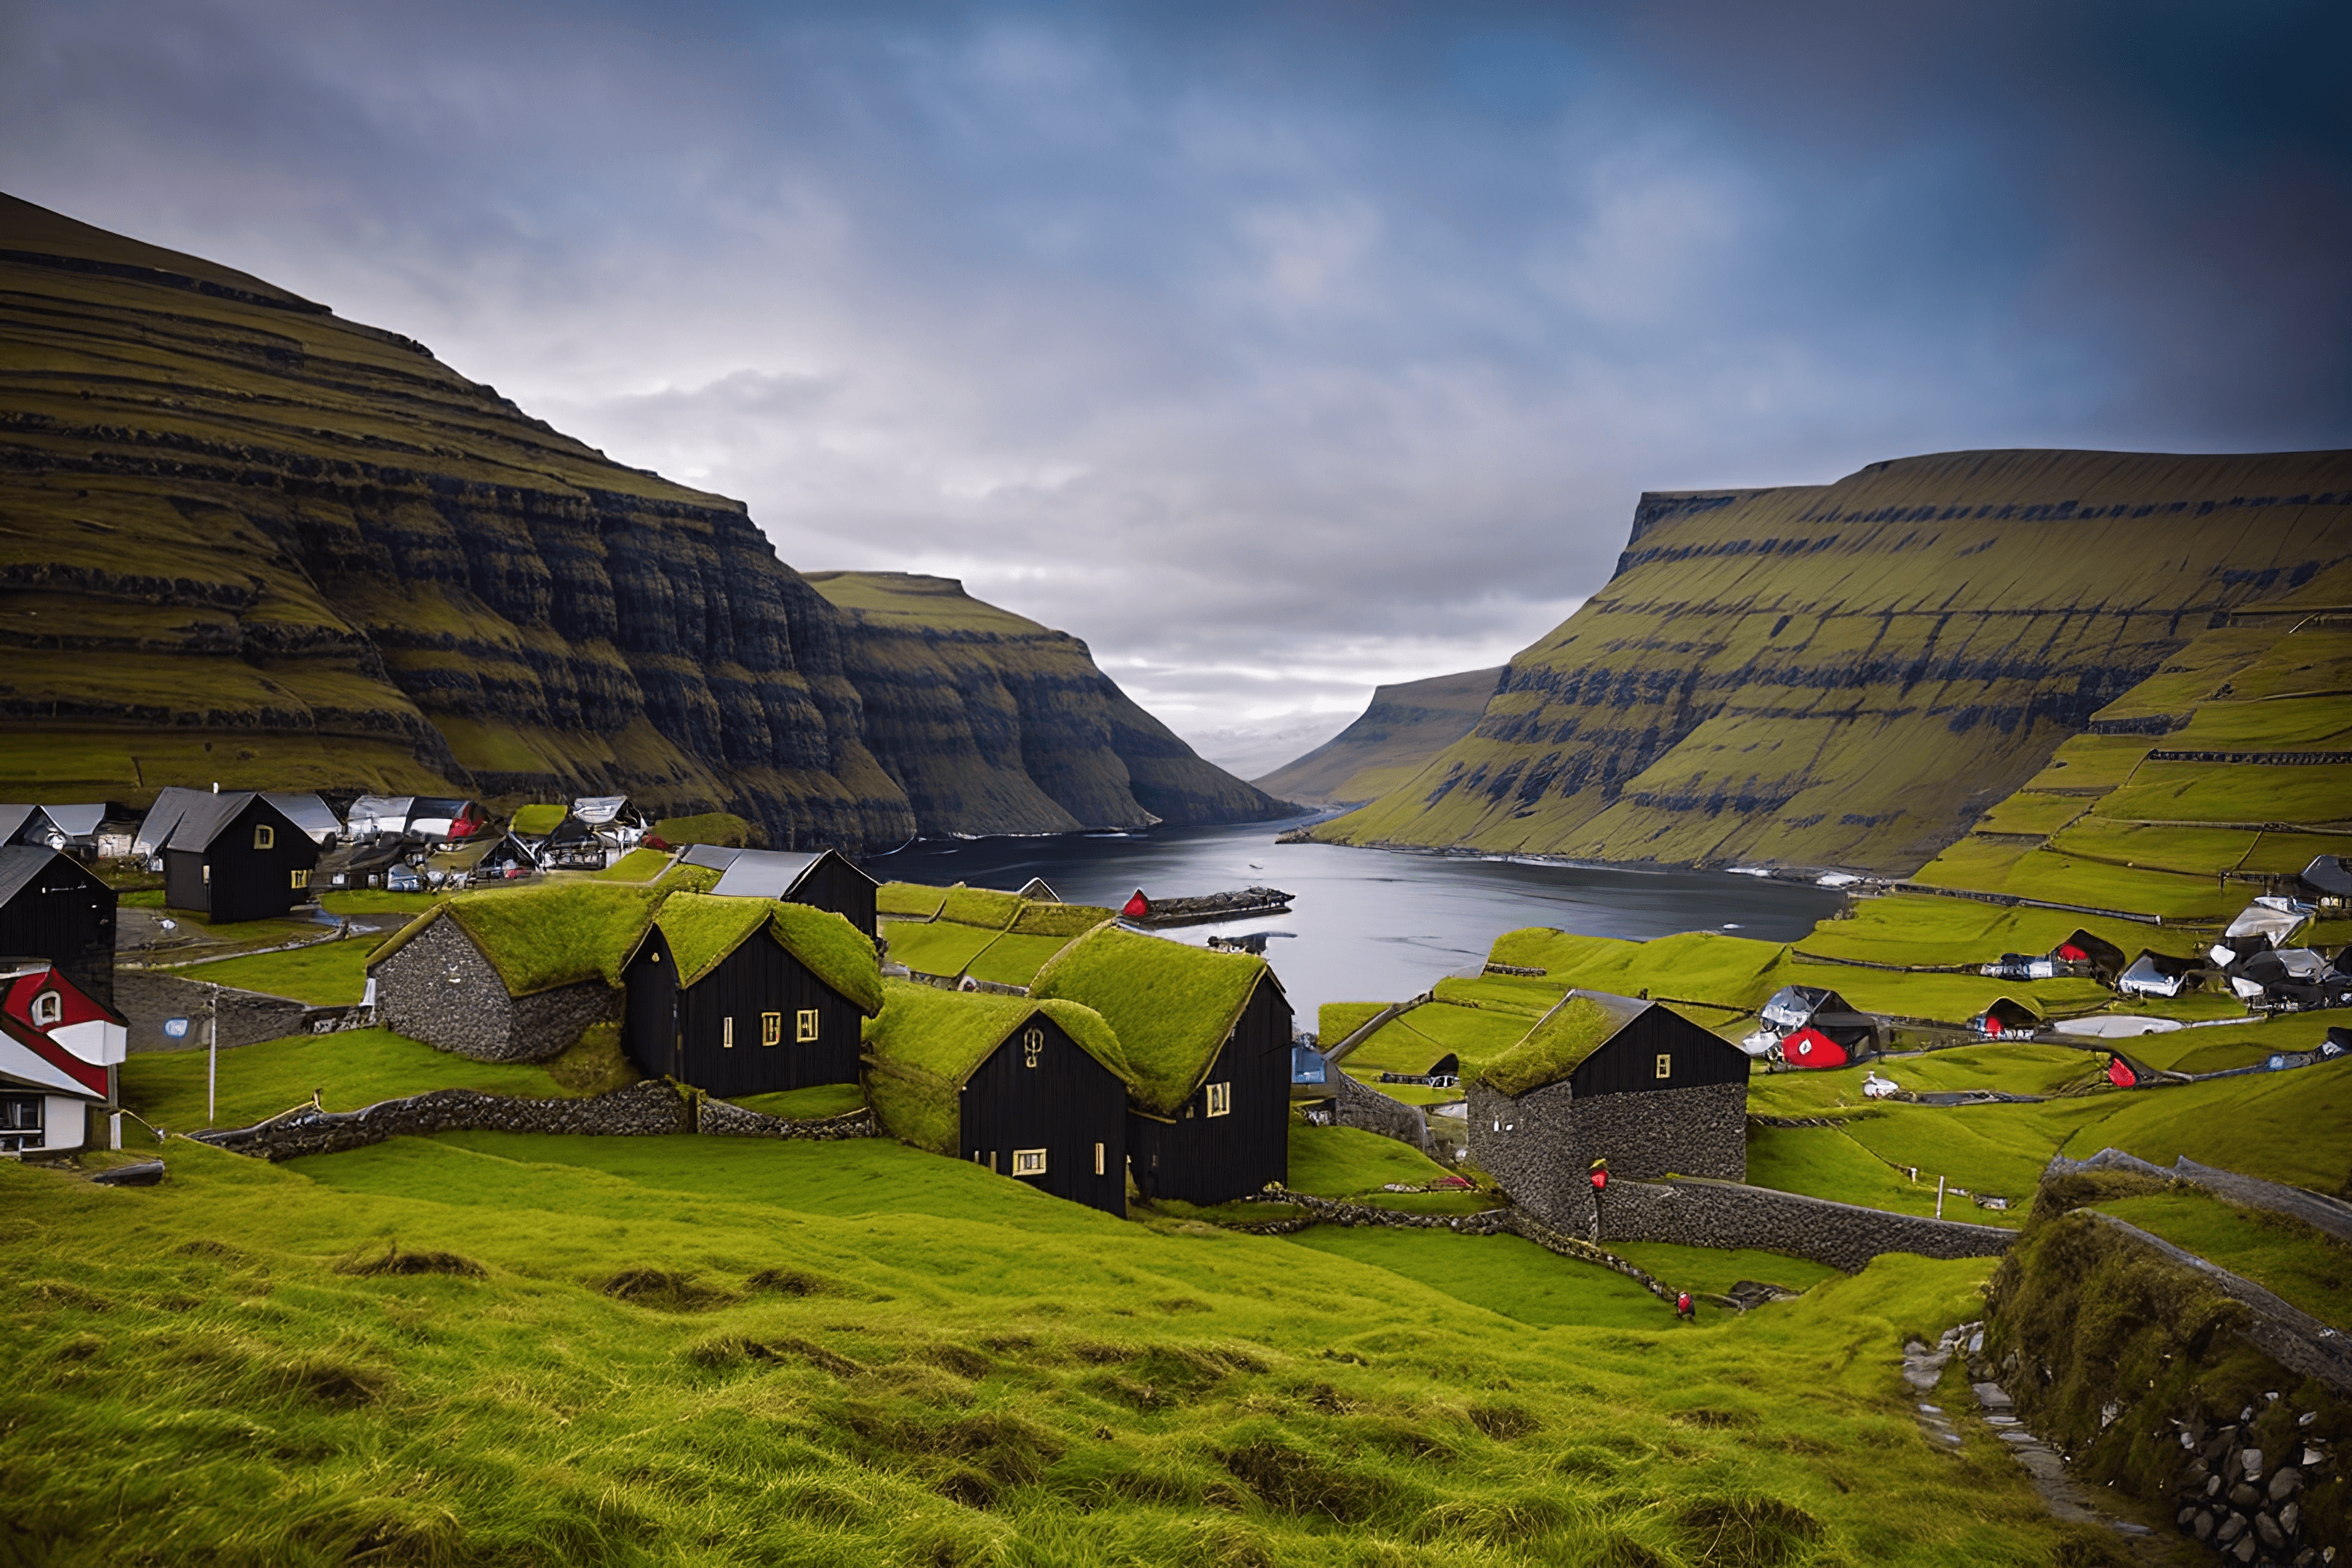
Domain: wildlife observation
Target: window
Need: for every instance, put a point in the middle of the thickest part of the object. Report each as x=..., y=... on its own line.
x=1028, y=1162
x=1220, y=1099
x=208, y=873
x=298, y=877
x=727, y=1033
x=20, y=1113
x=1098, y=1160
x=265, y=837
x=772, y=1027
x=48, y=1008
x=1665, y=1066
x=1033, y=1041
x=804, y=1028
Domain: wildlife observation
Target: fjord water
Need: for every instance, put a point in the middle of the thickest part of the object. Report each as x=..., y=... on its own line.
x=1367, y=925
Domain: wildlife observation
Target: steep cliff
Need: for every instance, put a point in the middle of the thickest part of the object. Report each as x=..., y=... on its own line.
x=242, y=540
x=1850, y=674
x=1404, y=726
x=996, y=724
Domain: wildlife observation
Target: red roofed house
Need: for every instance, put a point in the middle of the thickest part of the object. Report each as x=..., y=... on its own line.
x=58, y=1050
x=1809, y=1048
x=1137, y=906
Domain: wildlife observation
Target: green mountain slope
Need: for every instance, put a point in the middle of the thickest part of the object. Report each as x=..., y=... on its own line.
x=242, y=540
x=996, y=724
x=1404, y=726
x=1850, y=674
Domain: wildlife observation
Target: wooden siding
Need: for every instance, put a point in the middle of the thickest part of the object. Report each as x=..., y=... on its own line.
x=1057, y=1099
x=246, y=883
x=1205, y=1159
x=1628, y=1062
x=832, y=883
x=65, y=915
x=682, y=1033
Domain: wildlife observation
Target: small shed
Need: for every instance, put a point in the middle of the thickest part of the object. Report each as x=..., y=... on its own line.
x=378, y=816
x=52, y=908
x=1037, y=890
x=59, y=1049
x=1033, y=1090
x=71, y=829
x=573, y=846
x=2293, y=979
x=511, y=974
x=2327, y=882
x=311, y=814
x=822, y=879
x=2004, y=1017
x=2085, y=949
x=1608, y=1078
x=1816, y=1028
x=362, y=864
x=2155, y=973
x=1811, y=1048
x=236, y=856
x=748, y=995
x=1207, y=1038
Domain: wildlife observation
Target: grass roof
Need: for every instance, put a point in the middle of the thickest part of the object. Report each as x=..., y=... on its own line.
x=541, y=937
x=1172, y=1006
x=1059, y=920
x=835, y=952
x=910, y=900
x=533, y=820
x=981, y=907
x=1558, y=1045
x=927, y=1043
x=702, y=929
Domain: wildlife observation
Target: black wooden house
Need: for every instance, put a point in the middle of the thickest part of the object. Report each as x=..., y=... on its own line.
x=237, y=857
x=822, y=879
x=52, y=908
x=747, y=997
x=1206, y=1037
x=1032, y=1090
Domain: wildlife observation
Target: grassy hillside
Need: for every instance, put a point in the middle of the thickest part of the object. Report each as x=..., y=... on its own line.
x=996, y=724
x=504, y=1348
x=1403, y=727
x=1851, y=674
x=244, y=541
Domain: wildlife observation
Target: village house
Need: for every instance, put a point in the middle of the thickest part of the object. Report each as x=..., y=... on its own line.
x=229, y=858
x=2004, y=1017
x=2327, y=883
x=1601, y=1077
x=1033, y=1090
x=52, y=908
x=74, y=830
x=511, y=975
x=1207, y=1039
x=60, y=1051
x=1811, y=1027
x=822, y=879
x=747, y=995
x=2155, y=973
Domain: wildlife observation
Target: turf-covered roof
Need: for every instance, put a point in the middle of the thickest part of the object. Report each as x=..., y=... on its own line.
x=834, y=951
x=532, y=821
x=1056, y=918
x=1173, y=1006
x=702, y=929
x=912, y=900
x=927, y=1043
x=539, y=938
x=1577, y=1025
x=981, y=906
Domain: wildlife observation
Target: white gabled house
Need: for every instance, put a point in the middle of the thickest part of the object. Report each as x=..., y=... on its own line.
x=58, y=1054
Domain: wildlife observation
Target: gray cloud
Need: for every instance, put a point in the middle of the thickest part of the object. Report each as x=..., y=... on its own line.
x=1274, y=350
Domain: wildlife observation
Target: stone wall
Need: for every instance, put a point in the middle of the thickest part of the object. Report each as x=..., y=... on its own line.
x=1540, y=1145
x=1358, y=1105
x=651, y=1109
x=438, y=988
x=146, y=999
x=1727, y=1214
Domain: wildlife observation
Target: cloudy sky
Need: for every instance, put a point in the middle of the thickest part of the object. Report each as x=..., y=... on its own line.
x=1276, y=349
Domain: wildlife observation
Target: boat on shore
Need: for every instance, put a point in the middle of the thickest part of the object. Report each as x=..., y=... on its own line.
x=1247, y=903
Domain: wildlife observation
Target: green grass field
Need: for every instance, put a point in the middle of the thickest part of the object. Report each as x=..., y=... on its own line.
x=2307, y=1267
x=327, y=973
x=352, y=1068
x=939, y=947
x=661, y=1350
x=813, y=1103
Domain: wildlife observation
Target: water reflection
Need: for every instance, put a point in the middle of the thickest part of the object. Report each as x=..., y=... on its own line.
x=1367, y=924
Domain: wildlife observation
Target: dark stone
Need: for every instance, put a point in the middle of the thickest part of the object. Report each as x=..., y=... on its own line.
x=2202, y=1526
x=2285, y=1481
x=2231, y=1528
x=438, y=988
x=2244, y=1496
x=2268, y=1528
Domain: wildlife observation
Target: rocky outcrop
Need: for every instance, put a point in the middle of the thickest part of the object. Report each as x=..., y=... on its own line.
x=1848, y=674
x=246, y=541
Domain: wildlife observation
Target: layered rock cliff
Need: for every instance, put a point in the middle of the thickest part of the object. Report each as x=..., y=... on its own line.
x=1402, y=727
x=242, y=540
x=996, y=724
x=1849, y=674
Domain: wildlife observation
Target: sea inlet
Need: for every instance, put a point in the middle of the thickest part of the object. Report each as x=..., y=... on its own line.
x=1368, y=925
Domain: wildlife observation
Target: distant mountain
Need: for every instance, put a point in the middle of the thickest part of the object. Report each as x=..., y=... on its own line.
x=1405, y=726
x=244, y=539
x=1850, y=674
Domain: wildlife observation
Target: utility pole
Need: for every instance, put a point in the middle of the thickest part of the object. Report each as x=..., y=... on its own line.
x=212, y=1053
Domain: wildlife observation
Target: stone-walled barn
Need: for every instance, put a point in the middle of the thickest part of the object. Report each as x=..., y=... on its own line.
x=511, y=976
x=1607, y=1077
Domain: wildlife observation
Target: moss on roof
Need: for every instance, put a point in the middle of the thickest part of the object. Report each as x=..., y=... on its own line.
x=927, y=1043
x=1059, y=920
x=539, y=938
x=981, y=907
x=834, y=951
x=533, y=820
x=1173, y=1006
x=1557, y=1046
x=702, y=929
x=910, y=900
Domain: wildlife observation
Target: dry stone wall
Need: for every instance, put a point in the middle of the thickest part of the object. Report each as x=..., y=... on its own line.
x=1727, y=1214
x=1541, y=1144
x=1359, y=1105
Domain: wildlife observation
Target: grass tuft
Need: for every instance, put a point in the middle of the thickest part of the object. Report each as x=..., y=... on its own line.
x=665, y=1290
x=395, y=1261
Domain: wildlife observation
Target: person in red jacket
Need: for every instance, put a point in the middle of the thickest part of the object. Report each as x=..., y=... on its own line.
x=1685, y=1309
